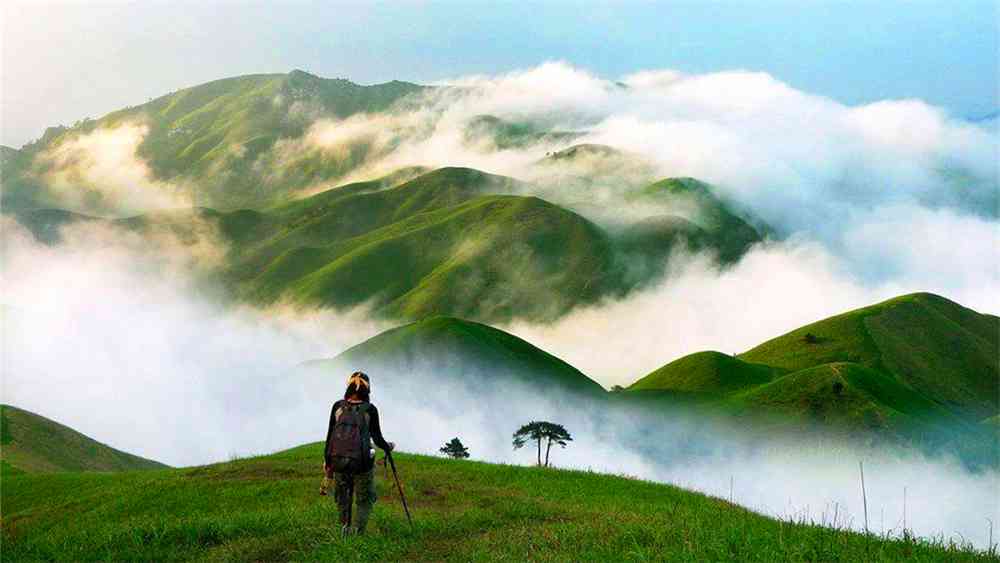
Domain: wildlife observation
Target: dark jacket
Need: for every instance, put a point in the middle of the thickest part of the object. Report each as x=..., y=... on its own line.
x=374, y=430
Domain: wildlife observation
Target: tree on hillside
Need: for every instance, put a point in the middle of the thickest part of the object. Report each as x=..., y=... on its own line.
x=542, y=431
x=455, y=449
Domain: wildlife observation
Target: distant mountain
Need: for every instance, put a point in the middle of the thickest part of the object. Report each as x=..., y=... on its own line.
x=416, y=243
x=30, y=443
x=220, y=136
x=985, y=117
x=446, y=348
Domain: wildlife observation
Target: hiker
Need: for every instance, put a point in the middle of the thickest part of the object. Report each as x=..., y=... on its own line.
x=349, y=459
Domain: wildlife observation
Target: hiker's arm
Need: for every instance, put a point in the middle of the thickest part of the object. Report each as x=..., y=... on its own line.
x=376, y=431
x=329, y=434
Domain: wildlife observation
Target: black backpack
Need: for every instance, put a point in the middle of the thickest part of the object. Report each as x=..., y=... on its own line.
x=350, y=445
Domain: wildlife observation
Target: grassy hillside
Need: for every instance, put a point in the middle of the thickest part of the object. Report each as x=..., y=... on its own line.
x=917, y=370
x=850, y=398
x=925, y=342
x=267, y=508
x=447, y=346
x=443, y=243
x=30, y=443
x=710, y=373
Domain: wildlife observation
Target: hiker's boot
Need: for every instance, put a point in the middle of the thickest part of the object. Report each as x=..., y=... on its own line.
x=361, y=522
x=345, y=521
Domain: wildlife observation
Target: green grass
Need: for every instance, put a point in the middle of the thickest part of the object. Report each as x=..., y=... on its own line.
x=33, y=443
x=267, y=508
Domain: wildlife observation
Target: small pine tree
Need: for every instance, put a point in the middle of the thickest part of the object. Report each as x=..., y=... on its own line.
x=538, y=431
x=455, y=449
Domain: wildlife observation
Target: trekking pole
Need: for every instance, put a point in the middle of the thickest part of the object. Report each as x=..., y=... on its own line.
x=395, y=476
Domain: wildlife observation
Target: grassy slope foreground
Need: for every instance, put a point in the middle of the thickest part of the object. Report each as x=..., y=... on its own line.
x=267, y=508
x=33, y=443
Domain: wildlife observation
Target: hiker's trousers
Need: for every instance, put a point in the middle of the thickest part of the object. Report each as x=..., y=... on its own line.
x=364, y=492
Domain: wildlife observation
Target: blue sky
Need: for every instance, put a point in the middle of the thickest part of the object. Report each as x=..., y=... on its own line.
x=62, y=62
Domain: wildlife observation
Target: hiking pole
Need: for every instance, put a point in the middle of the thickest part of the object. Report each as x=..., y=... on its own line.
x=392, y=464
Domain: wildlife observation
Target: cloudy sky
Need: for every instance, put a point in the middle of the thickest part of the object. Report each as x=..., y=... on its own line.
x=65, y=61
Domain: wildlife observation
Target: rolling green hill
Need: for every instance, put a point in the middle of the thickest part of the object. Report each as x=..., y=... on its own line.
x=266, y=509
x=443, y=243
x=706, y=373
x=853, y=399
x=446, y=347
x=30, y=443
x=917, y=369
x=934, y=346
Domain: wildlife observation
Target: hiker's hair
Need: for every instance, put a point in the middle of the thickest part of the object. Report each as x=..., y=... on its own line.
x=358, y=385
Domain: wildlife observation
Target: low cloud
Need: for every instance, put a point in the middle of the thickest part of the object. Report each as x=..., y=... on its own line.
x=100, y=172
x=777, y=287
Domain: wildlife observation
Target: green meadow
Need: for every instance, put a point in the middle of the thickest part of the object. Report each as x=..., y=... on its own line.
x=268, y=508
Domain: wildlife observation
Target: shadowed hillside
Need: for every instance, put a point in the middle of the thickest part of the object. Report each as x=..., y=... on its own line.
x=453, y=348
x=30, y=443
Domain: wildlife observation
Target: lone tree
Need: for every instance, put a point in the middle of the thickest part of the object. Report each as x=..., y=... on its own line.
x=455, y=449
x=538, y=431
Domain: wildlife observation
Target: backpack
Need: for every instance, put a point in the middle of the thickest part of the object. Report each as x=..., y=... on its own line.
x=350, y=445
